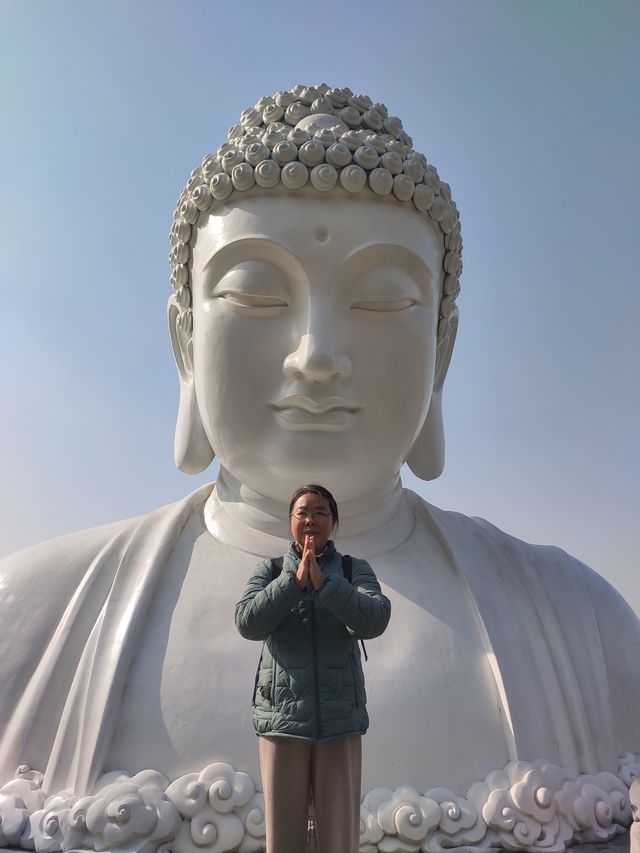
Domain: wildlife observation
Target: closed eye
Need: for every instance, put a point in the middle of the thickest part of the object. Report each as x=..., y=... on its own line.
x=254, y=287
x=385, y=305
x=252, y=301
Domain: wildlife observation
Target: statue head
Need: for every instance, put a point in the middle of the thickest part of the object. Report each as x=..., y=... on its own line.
x=315, y=267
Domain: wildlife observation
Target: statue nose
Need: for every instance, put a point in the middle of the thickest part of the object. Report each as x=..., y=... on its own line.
x=315, y=360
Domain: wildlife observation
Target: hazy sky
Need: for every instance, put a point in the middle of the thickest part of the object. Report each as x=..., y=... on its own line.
x=528, y=109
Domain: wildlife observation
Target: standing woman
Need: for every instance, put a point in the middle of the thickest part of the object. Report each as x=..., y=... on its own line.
x=309, y=702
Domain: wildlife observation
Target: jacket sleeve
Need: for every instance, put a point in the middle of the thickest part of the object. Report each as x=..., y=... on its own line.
x=265, y=602
x=360, y=605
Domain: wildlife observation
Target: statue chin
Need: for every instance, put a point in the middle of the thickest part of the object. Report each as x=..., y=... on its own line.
x=312, y=338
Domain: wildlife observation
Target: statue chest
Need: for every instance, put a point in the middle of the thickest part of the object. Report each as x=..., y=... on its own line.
x=434, y=710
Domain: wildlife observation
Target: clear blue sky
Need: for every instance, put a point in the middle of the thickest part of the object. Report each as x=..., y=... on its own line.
x=528, y=109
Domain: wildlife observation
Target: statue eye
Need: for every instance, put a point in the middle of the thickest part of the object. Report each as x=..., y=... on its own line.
x=384, y=289
x=388, y=305
x=253, y=287
x=258, y=301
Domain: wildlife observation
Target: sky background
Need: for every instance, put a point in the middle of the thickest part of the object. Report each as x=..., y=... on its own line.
x=528, y=109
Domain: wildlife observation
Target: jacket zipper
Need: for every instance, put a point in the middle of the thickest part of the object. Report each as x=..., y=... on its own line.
x=272, y=697
x=316, y=674
x=352, y=661
x=255, y=683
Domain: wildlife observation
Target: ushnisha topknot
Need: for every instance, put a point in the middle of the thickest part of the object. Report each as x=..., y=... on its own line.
x=327, y=138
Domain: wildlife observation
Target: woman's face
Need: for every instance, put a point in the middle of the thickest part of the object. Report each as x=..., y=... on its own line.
x=311, y=516
x=314, y=339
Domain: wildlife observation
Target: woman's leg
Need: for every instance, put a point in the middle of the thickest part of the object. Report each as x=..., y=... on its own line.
x=285, y=766
x=335, y=780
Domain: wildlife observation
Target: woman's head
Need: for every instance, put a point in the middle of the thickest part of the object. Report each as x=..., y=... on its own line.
x=313, y=512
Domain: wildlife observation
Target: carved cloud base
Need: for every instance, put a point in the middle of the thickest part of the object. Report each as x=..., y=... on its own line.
x=523, y=807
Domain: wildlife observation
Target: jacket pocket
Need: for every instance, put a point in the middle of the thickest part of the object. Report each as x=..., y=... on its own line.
x=265, y=691
x=266, y=688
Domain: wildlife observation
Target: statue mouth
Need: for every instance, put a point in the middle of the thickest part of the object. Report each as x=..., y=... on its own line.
x=302, y=414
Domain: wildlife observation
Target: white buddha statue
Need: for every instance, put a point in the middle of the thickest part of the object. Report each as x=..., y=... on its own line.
x=315, y=266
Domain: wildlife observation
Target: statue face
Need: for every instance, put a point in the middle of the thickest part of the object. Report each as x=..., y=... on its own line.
x=314, y=340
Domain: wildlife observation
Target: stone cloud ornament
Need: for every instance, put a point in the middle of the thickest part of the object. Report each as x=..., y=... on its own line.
x=315, y=273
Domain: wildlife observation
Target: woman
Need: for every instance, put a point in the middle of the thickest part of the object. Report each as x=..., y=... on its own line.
x=309, y=703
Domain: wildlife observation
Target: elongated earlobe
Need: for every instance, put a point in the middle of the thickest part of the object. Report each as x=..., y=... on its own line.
x=426, y=458
x=191, y=448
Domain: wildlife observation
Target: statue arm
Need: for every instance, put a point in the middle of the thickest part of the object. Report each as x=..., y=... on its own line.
x=360, y=605
x=265, y=602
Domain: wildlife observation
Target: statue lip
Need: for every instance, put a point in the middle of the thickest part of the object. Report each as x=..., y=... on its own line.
x=302, y=414
x=316, y=407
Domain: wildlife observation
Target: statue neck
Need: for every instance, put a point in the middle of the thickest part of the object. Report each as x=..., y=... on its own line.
x=258, y=524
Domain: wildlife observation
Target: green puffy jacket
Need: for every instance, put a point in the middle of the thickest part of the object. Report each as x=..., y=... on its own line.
x=310, y=682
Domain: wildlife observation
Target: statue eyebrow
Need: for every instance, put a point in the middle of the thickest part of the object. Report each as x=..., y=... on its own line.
x=252, y=248
x=235, y=251
x=394, y=253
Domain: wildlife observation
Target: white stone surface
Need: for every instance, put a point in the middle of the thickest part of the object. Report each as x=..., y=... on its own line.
x=505, y=690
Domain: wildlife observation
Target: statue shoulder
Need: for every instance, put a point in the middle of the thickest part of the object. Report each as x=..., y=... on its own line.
x=62, y=555
x=551, y=561
x=550, y=564
x=40, y=583
x=61, y=563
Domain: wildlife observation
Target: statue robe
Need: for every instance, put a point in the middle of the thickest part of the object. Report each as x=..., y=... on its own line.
x=549, y=652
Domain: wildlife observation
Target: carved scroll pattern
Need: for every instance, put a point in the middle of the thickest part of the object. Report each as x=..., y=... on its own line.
x=523, y=807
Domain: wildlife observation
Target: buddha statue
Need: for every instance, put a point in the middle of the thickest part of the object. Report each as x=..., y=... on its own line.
x=315, y=259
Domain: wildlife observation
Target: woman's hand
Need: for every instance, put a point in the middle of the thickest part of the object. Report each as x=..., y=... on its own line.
x=302, y=574
x=313, y=570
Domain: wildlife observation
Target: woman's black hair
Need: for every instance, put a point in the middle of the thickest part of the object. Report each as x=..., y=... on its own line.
x=315, y=489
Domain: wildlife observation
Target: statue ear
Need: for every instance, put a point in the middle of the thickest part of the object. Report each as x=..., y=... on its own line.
x=191, y=448
x=426, y=458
